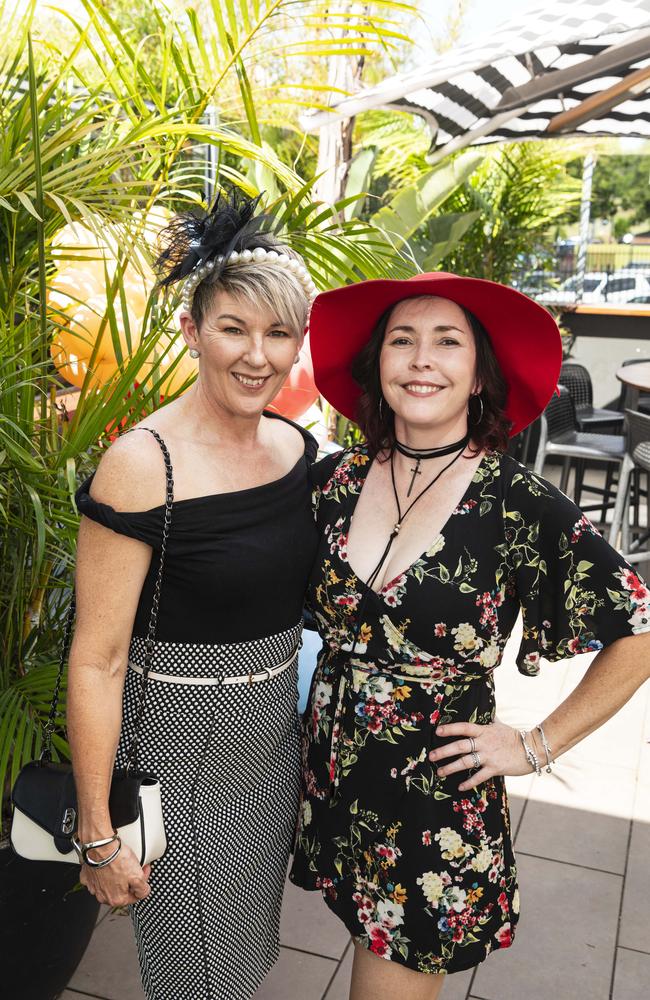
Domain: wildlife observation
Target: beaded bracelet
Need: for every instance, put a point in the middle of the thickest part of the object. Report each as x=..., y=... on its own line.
x=531, y=756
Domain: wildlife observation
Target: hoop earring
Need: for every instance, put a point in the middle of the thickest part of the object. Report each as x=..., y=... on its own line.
x=476, y=395
x=297, y=360
x=381, y=407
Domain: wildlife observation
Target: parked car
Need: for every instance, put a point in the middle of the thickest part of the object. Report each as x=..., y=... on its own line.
x=600, y=288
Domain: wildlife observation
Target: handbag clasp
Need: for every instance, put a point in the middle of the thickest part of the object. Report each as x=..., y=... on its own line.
x=69, y=820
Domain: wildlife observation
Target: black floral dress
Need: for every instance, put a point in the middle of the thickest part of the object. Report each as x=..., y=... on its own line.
x=421, y=873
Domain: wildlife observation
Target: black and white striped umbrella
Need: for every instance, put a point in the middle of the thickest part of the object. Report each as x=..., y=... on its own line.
x=573, y=67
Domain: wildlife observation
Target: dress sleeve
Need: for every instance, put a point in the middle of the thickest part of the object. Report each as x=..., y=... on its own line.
x=577, y=594
x=144, y=525
x=320, y=475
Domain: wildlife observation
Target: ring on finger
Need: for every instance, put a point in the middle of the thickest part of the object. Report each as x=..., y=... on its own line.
x=476, y=759
x=472, y=744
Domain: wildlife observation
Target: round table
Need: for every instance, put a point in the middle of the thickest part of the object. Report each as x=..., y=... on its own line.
x=636, y=376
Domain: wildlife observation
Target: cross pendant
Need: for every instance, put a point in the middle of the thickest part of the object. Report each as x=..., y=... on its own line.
x=416, y=472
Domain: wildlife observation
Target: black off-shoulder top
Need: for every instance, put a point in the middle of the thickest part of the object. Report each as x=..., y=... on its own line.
x=237, y=563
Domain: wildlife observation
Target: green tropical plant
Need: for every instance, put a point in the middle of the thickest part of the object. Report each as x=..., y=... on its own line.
x=90, y=135
x=412, y=217
x=518, y=191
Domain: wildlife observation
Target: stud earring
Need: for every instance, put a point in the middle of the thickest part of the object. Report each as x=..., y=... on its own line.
x=194, y=353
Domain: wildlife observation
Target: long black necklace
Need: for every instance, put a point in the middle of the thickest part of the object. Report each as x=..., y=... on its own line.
x=395, y=532
x=401, y=518
x=420, y=455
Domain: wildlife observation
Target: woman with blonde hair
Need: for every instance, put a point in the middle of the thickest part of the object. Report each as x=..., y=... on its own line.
x=219, y=729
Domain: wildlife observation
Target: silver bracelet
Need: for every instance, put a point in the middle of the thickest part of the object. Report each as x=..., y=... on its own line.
x=531, y=756
x=82, y=850
x=547, y=749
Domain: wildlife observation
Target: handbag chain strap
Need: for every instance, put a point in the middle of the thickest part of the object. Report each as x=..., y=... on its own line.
x=48, y=728
x=131, y=757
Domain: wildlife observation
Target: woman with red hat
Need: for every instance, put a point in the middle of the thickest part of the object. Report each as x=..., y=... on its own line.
x=432, y=542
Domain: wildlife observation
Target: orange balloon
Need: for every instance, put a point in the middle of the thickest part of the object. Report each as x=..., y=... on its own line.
x=136, y=292
x=72, y=347
x=184, y=369
x=68, y=289
x=299, y=391
x=78, y=246
x=68, y=362
x=77, y=300
x=79, y=249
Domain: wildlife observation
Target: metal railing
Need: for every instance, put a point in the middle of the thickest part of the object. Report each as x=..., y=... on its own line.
x=615, y=274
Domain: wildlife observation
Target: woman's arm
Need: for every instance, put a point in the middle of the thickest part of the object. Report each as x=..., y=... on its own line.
x=111, y=569
x=611, y=680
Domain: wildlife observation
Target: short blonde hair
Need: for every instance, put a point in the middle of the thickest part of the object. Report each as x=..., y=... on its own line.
x=258, y=282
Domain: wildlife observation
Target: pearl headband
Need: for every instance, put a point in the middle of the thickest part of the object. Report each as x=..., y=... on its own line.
x=258, y=255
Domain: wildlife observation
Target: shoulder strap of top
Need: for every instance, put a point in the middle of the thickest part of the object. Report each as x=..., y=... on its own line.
x=311, y=444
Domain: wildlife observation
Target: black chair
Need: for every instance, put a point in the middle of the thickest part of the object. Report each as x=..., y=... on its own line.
x=589, y=417
x=635, y=466
x=560, y=437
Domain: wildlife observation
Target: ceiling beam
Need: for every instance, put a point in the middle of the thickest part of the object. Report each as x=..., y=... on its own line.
x=554, y=81
x=599, y=104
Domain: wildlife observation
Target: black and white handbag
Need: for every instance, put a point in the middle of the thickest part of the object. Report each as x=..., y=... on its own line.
x=44, y=797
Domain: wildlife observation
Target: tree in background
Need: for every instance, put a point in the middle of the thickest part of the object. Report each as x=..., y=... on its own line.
x=620, y=190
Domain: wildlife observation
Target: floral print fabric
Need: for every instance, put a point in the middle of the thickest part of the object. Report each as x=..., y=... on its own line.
x=420, y=873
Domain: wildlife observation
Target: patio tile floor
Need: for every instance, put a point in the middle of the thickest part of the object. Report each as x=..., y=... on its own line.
x=583, y=843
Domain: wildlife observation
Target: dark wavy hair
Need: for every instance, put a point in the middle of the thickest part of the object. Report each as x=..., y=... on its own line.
x=377, y=423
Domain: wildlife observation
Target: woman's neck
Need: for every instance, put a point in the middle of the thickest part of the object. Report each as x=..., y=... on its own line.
x=421, y=438
x=212, y=423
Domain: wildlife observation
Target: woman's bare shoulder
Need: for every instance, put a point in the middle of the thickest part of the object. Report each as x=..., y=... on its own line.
x=288, y=436
x=131, y=474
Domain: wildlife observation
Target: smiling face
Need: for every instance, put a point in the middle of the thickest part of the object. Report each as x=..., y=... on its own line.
x=246, y=353
x=428, y=369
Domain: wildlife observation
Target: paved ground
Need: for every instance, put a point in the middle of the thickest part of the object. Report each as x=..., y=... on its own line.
x=583, y=846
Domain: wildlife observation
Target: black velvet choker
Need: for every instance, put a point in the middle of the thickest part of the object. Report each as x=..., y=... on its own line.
x=421, y=454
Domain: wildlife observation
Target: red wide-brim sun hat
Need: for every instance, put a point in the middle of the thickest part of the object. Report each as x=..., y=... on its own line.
x=524, y=336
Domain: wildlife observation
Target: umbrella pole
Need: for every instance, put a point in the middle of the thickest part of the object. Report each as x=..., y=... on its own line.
x=211, y=152
x=585, y=219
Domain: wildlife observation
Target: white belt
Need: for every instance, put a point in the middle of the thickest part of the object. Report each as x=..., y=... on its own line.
x=253, y=678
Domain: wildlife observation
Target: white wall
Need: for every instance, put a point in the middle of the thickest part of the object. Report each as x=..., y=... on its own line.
x=602, y=357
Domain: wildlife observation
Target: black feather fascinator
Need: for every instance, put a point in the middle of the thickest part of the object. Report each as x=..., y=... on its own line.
x=193, y=238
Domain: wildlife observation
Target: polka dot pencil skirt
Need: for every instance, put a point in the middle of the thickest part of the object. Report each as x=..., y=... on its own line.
x=227, y=757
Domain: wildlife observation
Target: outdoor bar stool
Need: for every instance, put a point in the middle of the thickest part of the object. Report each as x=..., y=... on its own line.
x=560, y=437
x=589, y=417
x=635, y=463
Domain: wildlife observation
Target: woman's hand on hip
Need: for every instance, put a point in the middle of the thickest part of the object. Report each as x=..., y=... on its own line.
x=485, y=751
x=121, y=882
